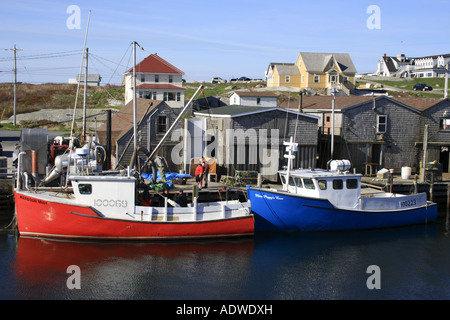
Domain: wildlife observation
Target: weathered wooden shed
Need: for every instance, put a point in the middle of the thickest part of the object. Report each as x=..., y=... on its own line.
x=382, y=133
x=155, y=122
x=251, y=138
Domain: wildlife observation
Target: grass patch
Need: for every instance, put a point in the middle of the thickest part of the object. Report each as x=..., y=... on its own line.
x=32, y=97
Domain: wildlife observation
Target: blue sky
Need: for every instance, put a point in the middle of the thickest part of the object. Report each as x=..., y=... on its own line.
x=224, y=38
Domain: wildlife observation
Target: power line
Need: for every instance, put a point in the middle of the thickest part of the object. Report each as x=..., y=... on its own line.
x=44, y=55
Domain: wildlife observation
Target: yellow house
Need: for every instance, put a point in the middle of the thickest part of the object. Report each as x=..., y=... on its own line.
x=320, y=72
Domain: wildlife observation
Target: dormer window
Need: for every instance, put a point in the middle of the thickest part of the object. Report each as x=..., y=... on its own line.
x=444, y=122
x=381, y=123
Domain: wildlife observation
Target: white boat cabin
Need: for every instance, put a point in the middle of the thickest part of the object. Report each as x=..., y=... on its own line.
x=341, y=188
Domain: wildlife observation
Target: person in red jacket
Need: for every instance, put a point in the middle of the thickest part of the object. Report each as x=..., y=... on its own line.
x=199, y=175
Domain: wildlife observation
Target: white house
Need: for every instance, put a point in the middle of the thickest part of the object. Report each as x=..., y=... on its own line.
x=421, y=67
x=156, y=79
x=92, y=79
x=254, y=98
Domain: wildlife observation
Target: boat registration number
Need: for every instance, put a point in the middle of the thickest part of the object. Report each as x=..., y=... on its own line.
x=110, y=203
x=408, y=203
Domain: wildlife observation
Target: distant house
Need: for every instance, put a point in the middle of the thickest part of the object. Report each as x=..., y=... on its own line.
x=156, y=79
x=254, y=98
x=92, y=79
x=420, y=67
x=154, y=125
x=283, y=74
x=251, y=138
x=320, y=72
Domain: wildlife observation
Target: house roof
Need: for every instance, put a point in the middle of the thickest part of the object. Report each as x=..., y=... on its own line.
x=157, y=86
x=325, y=102
x=283, y=68
x=155, y=64
x=420, y=104
x=287, y=69
x=256, y=93
x=390, y=64
x=232, y=111
x=317, y=62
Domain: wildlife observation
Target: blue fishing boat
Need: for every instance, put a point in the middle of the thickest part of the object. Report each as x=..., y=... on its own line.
x=328, y=200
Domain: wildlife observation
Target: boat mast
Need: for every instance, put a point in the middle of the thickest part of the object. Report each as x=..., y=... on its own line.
x=332, y=123
x=78, y=80
x=85, y=95
x=134, y=99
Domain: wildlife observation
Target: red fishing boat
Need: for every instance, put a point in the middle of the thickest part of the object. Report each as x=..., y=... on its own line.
x=96, y=204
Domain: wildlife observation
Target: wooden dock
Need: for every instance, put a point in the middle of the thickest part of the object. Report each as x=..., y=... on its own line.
x=437, y=191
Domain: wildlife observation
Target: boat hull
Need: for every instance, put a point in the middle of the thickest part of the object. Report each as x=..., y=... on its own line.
x=40, y=218
x=276, y=210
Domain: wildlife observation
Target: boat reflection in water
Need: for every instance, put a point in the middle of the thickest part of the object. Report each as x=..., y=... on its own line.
x=124, y=270
x=269, y=266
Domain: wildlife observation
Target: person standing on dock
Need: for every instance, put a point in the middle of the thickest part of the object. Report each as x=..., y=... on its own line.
x=199, y=175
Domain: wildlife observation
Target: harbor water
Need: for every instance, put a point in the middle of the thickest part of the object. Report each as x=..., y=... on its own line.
x=405, y=263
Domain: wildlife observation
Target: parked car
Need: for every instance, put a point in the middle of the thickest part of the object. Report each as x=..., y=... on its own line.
x=422, y=87
x=244, y=79
x=218, y=80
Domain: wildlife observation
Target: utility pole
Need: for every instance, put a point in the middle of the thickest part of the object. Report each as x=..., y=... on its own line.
x=15, y=81
x=446, y=82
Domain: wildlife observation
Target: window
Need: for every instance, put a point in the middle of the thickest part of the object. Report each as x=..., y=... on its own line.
x=142, y=77
x=322, y=184
x=288, y=79
x=345, y=80
x=338, y=184
x=444, y=124
x=381, y=123
x=162, y=124
x=352, y=183
x=316, y=78
x=298, y=182
x=283, y=179
x=331, y=63
x=309, y=184
x=170, y=78
x=85, y=188
x=258, y=100
x=156, y=77
x=291, y=181
x=303, y=78
x=169, y=96
x=178, y=96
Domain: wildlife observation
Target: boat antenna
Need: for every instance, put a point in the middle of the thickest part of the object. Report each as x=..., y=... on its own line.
x=290, y=156
x=79, y=78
